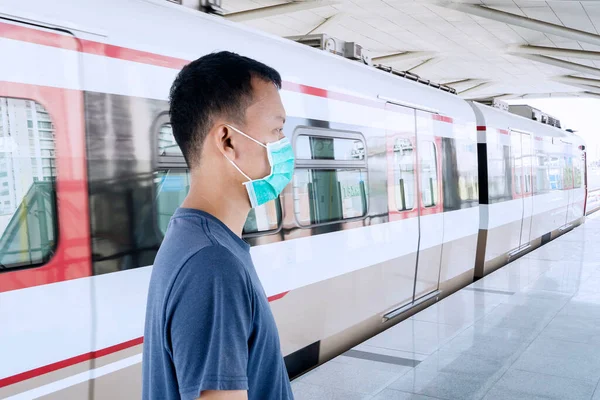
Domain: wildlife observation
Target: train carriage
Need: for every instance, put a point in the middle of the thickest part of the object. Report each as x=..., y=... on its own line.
x=402, y=192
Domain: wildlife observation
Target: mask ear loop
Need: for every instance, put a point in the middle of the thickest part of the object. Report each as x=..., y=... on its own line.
x=238, y=168
x=255, y=141
x=243, y=134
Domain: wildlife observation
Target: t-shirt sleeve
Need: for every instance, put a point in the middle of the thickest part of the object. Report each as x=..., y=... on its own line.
x=208, y=320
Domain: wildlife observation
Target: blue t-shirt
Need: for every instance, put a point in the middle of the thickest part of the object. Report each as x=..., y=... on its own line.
x=209, y=325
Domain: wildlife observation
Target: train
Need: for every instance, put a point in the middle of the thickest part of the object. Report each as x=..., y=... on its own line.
x=402, y=194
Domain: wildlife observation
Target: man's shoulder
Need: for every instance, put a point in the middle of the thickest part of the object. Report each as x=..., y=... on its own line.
x=215, y=259
x=212, y=275
x=210, y=269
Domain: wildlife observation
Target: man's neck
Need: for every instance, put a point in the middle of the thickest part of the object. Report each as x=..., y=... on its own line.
x=223, y=203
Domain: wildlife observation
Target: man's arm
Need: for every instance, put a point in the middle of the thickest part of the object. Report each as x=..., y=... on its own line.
x=224, y=395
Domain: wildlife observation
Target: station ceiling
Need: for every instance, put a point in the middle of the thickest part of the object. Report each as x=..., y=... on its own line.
x=483, y=48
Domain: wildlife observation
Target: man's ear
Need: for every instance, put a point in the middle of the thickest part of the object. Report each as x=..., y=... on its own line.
x=224, y=139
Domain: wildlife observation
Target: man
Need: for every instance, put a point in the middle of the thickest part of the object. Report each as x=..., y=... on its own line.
x=210, y=333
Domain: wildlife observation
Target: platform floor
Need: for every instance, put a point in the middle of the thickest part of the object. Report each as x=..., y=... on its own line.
x=530, y=330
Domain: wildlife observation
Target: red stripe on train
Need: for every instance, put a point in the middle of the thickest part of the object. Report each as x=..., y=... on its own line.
x=277, y=296
x=69, y=362
x=501, y=131
x=67, y=42
x=442, y=118
x=84, y=357
x=64, y=41
x=314, y=91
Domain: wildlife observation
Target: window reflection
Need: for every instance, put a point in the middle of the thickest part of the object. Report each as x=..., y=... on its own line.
x=167, y=146
x=27, y=172
x=329, y=148
x=330, y=182
x=429, y=177
x=172, y=186
x=328, y=195
x=404, y=174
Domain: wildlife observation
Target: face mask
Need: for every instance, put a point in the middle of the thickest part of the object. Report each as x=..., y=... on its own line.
x=281, y=159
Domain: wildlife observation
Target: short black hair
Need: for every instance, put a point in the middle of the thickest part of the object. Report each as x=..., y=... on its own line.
x=214, y=85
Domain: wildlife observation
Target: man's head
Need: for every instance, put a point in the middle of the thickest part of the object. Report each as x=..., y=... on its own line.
x=223, y=89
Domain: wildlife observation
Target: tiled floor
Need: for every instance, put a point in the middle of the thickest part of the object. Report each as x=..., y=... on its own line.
x=530, y=330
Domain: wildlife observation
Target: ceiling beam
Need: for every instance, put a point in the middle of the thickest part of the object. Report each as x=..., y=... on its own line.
x=279, y=9
x=421, y=64
x=334, y=19
x=589, y=94
x=407, y=55
x=584, y=69
x=523, y=22
x=589, y=85
x=464, y=83
x=550, y=95
x=577, y=80
x=587, y=88
x=556, y=51
x=507, y=96
x=476, y=88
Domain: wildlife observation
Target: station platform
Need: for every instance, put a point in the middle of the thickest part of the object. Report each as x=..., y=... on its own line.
x=530, y=330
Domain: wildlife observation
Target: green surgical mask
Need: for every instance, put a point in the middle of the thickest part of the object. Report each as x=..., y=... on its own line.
x=281, y=159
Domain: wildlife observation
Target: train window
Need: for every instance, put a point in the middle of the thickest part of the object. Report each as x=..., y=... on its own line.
x=329, y=195
x=169, y=154
x=329, y=148
x=265, y=218
x=28, y=222
x=404, y=174
x=173, y=185
x=577, y=172
x=498, y=175
x=568, y=172
x=171, y=188
x=429, y=174
x=330, y=181
x=167, y=146
x=542, y=179
x=555, y=173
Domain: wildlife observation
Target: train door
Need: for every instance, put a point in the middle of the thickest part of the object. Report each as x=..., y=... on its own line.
x=431, y=221
x=583, y=170
x=403, y=203
x=527, y=169
x=522, y=146
x=568, y=185
x=45, y=289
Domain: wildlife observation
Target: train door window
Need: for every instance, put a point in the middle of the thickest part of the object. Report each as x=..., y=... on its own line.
x=329, y=148
x=468, y=185
x=28, y=221
x=517, y=179
x=167, y=146
x=171, y=188
x=330, y=181
x=568, y=172
x=404, y=174
x=555, y=173
x=429, y=176
x=542, y=180
x=526, y=162
x=577, y=172
x=498, y=167
x=173, y=184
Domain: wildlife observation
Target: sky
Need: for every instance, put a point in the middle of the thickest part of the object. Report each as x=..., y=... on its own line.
x=579, y=114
